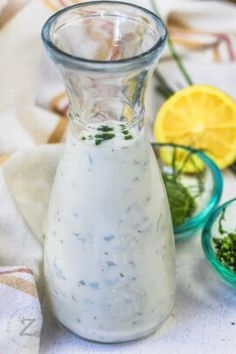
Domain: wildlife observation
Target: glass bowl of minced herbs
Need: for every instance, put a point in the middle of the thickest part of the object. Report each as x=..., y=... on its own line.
x=219, y=241
x=193, y=184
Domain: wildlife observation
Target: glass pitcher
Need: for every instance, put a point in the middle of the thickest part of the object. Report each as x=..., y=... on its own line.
x=109, y=249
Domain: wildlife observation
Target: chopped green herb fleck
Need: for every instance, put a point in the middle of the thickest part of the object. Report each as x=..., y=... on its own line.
x=108, y=237
x=226, y=250
x=125, y=132
x=105, y=136
x=98, y=141
x=83, y=138
x=99, y=138
x=128, y=137
x=105, y=128
x=110, y=263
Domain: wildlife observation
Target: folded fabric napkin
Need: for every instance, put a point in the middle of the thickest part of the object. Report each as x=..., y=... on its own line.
x=20, y=314
x=21, y=53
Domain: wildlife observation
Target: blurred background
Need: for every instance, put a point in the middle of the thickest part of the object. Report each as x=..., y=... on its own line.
x=33, y=103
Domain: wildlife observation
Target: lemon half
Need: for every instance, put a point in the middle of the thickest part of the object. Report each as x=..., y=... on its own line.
x=203, y=117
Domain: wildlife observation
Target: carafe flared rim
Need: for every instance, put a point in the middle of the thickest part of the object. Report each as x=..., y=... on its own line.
x=77, y=62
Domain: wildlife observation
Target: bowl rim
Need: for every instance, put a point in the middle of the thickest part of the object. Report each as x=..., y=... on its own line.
x=197, y=220
x=207, y=246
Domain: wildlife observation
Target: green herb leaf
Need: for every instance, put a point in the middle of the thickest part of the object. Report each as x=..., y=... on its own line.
x=182, y=199
x=128, y=137
x=125, y=132
x=105, y=128
x=99, y=138
x=98, y=141
x=105, y=136
x=182, y=203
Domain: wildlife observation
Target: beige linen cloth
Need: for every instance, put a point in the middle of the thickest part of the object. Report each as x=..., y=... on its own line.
x=32, y=114
x=21, y=318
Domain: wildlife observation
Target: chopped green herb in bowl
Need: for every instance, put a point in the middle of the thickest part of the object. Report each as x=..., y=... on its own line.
x=219, y=241
x=226, y=250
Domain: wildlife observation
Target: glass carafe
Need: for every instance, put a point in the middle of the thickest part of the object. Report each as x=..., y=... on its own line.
x=109, y=248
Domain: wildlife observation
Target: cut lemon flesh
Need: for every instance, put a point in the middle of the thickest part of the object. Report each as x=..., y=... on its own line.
x=202, y=117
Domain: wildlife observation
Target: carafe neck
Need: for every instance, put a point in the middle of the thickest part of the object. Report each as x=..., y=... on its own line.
x=100, y=97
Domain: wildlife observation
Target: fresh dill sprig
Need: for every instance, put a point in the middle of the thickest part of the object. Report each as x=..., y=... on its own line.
x=182, y=200
x=163, y=87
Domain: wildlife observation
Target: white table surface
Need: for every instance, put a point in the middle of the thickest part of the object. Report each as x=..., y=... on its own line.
x=203, y=322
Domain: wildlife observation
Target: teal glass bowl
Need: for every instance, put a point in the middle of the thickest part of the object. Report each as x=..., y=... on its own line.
x=211, y=230
x=211, y=179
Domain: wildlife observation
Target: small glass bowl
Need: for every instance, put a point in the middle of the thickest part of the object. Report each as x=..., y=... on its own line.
x=211, y=230
x=211, y=180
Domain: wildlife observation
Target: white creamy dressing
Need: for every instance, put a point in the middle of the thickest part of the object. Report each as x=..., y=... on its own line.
x=109, y=251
